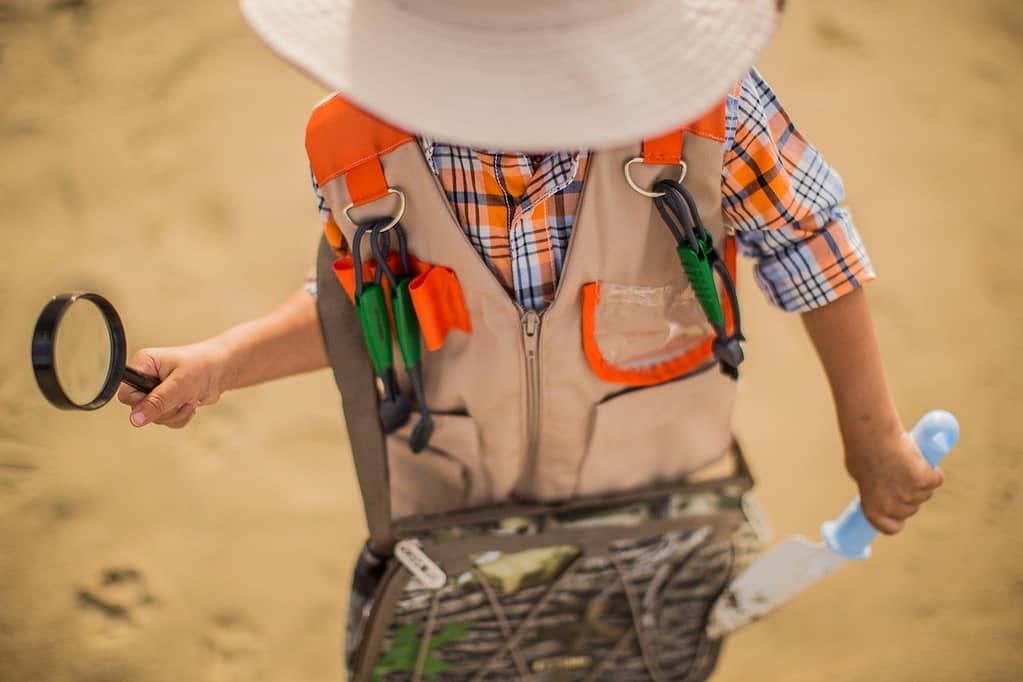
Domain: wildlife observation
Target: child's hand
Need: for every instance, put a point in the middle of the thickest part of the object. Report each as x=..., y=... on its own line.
x=893, y=477
x=189, y=376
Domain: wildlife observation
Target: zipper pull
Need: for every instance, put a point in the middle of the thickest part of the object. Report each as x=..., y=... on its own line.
x=530, y=323
x=410, y=554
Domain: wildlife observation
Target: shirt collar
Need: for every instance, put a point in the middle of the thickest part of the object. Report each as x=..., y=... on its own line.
x=428, y=145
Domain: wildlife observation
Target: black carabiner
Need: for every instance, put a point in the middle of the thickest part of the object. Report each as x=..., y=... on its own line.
x=676, y=205
x=380, y=244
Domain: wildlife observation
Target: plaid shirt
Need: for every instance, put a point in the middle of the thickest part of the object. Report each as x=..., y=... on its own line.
x=778, y=193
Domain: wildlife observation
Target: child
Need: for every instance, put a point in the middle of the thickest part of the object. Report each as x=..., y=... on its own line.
x=490, y=90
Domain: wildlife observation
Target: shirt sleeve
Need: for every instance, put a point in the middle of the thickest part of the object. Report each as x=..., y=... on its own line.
x=782, y=199
x=321, y=204
x=330, y=228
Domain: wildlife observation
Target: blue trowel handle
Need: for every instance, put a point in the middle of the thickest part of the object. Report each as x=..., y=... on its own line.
x=851, y=534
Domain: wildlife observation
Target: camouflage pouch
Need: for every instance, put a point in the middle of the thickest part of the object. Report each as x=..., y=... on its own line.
x=615, y=588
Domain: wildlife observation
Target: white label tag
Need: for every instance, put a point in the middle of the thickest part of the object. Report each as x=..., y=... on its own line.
x=411, y=555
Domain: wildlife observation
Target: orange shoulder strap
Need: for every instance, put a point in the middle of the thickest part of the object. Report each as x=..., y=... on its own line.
x=343, y=140
x=667, y=148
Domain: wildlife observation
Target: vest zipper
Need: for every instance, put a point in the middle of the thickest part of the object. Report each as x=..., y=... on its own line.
x=531, y=346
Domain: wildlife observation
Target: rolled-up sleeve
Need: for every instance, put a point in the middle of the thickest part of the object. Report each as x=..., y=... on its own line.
x=783, y=200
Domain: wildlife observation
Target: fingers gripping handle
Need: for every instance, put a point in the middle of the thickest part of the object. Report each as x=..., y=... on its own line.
x=851, y=534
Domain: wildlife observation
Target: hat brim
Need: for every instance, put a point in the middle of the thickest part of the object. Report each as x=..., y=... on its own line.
x=532, y=75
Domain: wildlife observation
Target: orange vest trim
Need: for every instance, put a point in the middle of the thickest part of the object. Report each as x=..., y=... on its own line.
x=667, y=148
x=334, y=237
x=343, y=140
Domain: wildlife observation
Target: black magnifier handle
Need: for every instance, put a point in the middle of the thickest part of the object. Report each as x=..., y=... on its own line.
x=140, y=381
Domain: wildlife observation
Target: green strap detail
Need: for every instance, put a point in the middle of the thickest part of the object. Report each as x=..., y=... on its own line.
x=406, y=324
x=697, y=264
x=376, y=328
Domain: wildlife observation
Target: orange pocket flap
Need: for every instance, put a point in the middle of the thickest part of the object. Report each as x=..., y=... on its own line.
x=440, y=306
x=344, y=270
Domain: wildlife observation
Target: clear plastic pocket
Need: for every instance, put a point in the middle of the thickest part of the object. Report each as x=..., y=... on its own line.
x=642, y=335
x=638, y=327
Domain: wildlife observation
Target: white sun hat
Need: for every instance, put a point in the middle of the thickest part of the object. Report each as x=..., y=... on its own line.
x=524, y=75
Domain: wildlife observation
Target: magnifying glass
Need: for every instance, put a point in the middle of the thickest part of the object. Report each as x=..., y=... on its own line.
x=79, y=352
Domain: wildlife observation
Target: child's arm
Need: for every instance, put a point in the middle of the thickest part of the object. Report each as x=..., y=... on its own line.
x=286, y=341
x=892, y=475
x=784, y=201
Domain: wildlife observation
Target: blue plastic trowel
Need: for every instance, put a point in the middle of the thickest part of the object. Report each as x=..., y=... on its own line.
x=797, y=563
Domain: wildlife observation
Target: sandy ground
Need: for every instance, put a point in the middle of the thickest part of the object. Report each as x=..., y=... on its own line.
x=153, y=152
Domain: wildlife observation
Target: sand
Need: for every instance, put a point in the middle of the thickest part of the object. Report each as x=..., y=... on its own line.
x=153, y=152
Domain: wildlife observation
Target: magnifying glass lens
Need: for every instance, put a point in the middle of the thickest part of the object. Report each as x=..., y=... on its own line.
x=81, y=352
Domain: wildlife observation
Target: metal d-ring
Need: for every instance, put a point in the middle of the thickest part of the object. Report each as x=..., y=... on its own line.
x=646, y=192
x=394, y=221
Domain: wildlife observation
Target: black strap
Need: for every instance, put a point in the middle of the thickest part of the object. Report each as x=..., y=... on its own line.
x=353, y=374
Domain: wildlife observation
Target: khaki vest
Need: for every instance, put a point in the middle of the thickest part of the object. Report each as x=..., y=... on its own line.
x=520, y=412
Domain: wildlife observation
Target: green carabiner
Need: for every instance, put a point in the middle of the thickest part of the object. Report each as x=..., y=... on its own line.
x=406, y=327
x=371, y=306
x=697, y=263
x=376, y=328
x=700, y=260
x=372, y=309
x=406, y=323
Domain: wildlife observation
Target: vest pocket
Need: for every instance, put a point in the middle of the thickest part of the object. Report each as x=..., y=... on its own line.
x=657, y=434
x=443, y=477
x=643, y=335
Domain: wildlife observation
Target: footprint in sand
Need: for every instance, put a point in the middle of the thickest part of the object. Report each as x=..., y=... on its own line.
x=232, y=644
x=13, y=474
x=116, y=603
x=17, y=467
